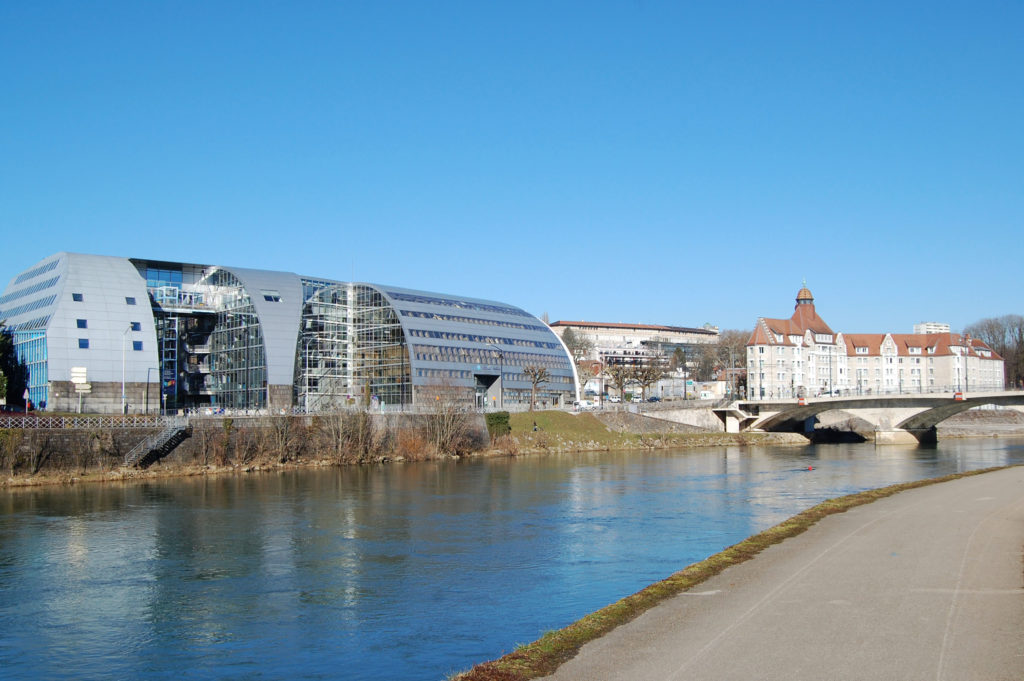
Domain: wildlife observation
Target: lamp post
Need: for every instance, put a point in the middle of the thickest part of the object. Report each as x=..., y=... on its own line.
x=124, y=398
x=149, y=369
x=967, y=356
x=501, y=374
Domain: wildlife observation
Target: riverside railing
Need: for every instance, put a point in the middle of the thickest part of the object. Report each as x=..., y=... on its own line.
x=94, y=422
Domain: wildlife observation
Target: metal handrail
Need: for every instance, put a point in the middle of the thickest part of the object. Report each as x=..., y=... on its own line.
x=89, y=422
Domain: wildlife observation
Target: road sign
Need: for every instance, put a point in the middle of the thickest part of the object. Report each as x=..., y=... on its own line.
x=83, y=387
x=78, y=375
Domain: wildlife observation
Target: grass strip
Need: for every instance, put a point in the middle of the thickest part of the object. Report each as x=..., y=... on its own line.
x=545, y=655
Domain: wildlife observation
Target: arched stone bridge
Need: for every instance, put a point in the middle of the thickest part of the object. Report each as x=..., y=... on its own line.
x=895, y=419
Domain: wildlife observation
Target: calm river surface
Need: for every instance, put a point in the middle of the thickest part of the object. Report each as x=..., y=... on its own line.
x=388, y=572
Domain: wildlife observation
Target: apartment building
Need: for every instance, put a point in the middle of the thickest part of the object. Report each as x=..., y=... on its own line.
x=803, y=356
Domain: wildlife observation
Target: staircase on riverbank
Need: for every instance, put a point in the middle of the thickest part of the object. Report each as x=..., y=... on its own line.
x=156, y=447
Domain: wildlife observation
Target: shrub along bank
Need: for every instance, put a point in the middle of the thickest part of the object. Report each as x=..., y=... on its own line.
x=35, y=456
x=251, y=443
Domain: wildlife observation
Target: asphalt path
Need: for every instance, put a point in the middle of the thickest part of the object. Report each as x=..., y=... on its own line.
x=927, y=584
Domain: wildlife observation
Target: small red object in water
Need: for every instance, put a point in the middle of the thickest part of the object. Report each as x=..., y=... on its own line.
x=810, y=468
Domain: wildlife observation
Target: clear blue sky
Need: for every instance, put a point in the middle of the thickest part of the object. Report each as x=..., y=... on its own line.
x=675, y=163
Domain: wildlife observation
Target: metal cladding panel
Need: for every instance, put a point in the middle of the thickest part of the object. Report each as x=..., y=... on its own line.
x=105, y=284
x=279, y=320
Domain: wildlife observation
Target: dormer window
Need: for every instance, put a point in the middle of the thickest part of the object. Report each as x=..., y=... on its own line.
x=862, y=351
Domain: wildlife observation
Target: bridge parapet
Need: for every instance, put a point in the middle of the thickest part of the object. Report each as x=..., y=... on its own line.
x=896, y=417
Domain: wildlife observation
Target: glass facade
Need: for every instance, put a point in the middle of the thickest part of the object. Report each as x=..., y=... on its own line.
x=236, y=338
x=30, y=347
x=237, y=353
x=351, y=351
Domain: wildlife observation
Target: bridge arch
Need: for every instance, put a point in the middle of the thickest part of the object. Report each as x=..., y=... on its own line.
x=911, y=415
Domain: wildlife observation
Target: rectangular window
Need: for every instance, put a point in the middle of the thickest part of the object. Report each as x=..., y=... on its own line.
x=83, y=343
x=136, y=326
x=129, y=300
x=77, y=297
x=136, y=345
x=271, y=296
x=82, y=324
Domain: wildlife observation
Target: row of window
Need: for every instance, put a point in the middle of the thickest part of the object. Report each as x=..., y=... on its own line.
x=80, y=298
x=156, y=277
x=83, y=344
x=458, y=304
x=473, y=338
x=42, y=269
x=443, y=373
x=37, y=323
x=84, y=324
x=441, y=353
x=470, y=320
x=28, y=307
x=29, y=290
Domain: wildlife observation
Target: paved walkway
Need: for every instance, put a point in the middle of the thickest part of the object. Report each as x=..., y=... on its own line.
x=926, y=585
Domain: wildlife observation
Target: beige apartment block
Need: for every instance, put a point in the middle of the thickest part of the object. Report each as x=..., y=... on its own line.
x=802, y=356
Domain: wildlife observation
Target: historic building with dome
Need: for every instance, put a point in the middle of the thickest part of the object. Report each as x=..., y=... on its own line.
x=802, y=356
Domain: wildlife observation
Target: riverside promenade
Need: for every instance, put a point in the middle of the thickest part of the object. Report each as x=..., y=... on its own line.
x=925, y=585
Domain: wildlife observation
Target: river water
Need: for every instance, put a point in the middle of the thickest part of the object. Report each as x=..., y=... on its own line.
x=392, y=572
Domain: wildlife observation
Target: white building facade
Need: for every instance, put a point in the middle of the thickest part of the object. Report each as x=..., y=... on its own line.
x=802, y=356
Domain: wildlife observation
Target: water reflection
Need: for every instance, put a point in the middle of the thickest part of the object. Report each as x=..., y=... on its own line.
x=399, y=572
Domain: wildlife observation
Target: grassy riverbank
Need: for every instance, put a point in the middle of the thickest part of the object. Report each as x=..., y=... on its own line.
x=544, y=656
x=559, y=431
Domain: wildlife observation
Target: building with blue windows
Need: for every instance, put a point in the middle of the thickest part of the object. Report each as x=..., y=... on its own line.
x=114, y=334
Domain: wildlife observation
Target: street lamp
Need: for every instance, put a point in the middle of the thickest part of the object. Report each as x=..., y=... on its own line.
x=124, y=398
x=967, y=356
x=149, y=369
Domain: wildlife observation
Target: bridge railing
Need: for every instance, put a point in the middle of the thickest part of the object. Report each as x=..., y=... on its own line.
x=889, y=391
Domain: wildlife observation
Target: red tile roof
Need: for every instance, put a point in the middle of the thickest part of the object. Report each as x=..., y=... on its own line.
x=633, y=327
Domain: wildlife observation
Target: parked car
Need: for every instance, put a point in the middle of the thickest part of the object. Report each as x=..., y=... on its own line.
x=654, y=398
x=614, y=399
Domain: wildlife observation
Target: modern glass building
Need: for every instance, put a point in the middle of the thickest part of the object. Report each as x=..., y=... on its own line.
x=113, y=334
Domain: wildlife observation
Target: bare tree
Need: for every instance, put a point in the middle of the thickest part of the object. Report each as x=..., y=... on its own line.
x=678, y=360
x=1005, y=335
x=732, y=355
x=538, y=376
x=732, y=346
x=580, y=347
x=448, y=421
x=620, y=376
x=648, y=373
x=706, y=363
x=585, y=372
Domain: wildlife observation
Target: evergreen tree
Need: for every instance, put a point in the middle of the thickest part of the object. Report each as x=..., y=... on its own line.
x=15, y=372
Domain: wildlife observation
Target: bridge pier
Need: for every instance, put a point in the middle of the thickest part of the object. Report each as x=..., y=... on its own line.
x=899, y=436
